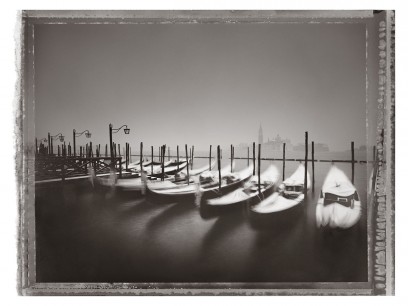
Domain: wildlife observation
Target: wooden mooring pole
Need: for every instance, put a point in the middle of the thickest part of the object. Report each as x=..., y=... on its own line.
x=259, y=169
x=283, y=161
x=126, y=155
x=192, y=157
x=111, y=147
x=49, y=144
x=164, y=154
x=232, y=158
x=306, y=154
x=188, y=173
x=209, y=159
x=253, y=157
x=313, y=168
x=74, y=141
x=178, y=158
x=141, y=157
x=151, y=165
x=352, y=162
x=219, y=165
x=248, y=157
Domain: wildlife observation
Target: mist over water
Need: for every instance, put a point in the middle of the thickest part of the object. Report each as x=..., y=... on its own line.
x=92, y=235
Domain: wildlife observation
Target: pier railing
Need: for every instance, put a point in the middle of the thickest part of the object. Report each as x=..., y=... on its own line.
x=48, y=167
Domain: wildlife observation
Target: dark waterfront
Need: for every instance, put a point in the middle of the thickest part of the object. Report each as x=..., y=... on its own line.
x=93, y=235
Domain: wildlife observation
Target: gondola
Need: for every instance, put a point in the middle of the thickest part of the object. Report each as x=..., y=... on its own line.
x=206, y=185
x=170, y=168
x=250, y=192
x=283, y=205
x=136, y=184
x=339, y=204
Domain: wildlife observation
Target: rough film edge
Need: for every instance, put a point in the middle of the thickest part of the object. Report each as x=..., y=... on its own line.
x=384, y=193
x=178, y=14
x=290, y=291
x=18, y=146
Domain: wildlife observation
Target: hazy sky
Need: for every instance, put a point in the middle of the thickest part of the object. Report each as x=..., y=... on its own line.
x=202, y=84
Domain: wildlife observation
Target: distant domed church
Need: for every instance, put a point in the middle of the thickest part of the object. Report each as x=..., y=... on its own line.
x=274, y=144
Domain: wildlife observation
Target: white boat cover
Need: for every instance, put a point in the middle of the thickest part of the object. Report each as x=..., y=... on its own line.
x=298, y=177
x=276, y=202
x=193, y=188
x=269, y=176
x=158, y=169
x=337, y=182
x=200, y=170
x=334, y=214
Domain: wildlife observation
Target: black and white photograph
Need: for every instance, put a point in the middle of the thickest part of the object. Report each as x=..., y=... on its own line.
x=207, y=152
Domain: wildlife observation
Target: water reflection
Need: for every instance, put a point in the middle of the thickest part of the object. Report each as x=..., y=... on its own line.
x=83, y=235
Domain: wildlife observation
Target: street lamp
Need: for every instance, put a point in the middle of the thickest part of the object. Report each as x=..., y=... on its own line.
x=75, y=134
x=59, y=135
x=50, y=138
x=112, y=130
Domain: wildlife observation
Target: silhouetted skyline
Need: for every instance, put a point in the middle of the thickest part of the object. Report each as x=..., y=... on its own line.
x=202, y=84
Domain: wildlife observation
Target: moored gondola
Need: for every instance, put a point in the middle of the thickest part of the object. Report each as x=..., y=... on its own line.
x=249, y=193
x=339, y=204
x=282, y=206
x=206, y=186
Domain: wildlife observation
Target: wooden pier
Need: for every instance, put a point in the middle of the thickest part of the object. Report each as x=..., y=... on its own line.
x=51, y=167
x=67, y=163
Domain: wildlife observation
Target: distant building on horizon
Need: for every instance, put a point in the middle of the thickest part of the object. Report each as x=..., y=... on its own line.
x=277, y=143
x=274, y=143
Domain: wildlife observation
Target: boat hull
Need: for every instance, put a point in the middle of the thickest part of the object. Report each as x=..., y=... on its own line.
x=207, y=210
x=278, y=219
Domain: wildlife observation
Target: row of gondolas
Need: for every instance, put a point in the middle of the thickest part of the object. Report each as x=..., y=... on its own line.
x=338, y=205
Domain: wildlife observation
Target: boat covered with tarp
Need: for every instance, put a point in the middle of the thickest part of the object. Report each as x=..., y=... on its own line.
x=251, y=192
x=339, y=204
x=288, y=196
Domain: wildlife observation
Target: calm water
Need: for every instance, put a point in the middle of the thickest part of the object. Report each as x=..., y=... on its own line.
x=93, y=235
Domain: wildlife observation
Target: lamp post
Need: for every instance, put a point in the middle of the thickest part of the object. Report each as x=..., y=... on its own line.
x=50, y=138
x=112, y=130
x=75, y=134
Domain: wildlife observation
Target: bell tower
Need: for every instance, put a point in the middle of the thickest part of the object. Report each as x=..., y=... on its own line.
x=260, y=134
